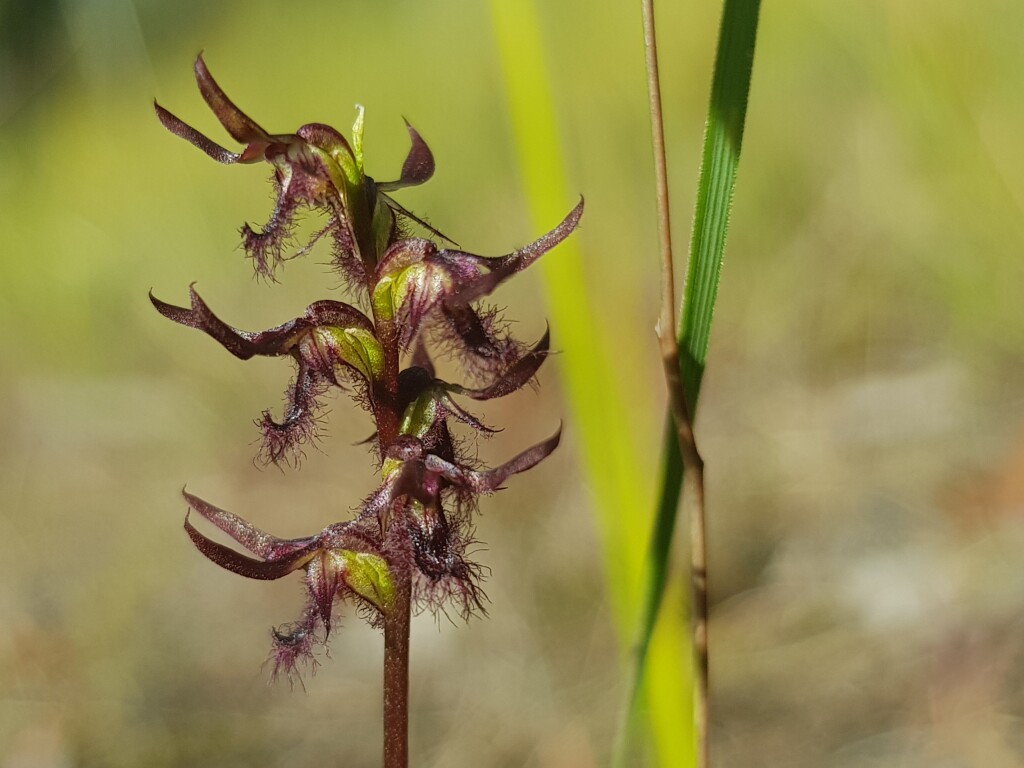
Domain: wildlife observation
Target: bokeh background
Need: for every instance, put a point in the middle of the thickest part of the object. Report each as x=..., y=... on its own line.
x=862, y=416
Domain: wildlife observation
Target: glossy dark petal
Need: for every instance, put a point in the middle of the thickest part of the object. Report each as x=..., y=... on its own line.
x=490, y=480
x=242, y=128
x=325, y=137
x=230, y=560
x=413, y=382
x=418, y=166
x=245, y=533
x=514, y=377
x=421, y=357
x=180, y=128
x=419, y=163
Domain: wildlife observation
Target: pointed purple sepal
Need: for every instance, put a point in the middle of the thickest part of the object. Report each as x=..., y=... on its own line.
x=242, y=128
x=275, y=341
x=514, y=377
x=180, y=128
x=418, y=166
x=230, y=560
x=490, y=480
x=258, y=542
x=503, y=267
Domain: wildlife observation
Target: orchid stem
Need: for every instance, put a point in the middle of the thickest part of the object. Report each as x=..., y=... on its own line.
x=396, y=675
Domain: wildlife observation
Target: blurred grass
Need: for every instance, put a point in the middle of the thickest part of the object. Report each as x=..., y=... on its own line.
x=865, y=430
x=617, y=472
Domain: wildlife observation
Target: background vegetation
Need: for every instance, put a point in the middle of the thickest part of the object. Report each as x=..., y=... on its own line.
x=861, y=416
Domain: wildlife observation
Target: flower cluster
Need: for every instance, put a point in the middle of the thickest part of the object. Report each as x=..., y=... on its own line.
x=416, y=295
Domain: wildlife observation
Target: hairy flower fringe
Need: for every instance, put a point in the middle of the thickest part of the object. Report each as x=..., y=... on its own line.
x=292, y=647
x=478, y=339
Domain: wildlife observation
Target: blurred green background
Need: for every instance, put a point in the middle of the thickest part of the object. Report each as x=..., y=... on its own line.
x=862, y=417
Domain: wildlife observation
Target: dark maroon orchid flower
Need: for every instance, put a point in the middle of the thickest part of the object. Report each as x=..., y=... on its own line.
x=409, y=541
x=331, y=337
x=420, y=284
x=314, y=168
x=351, y=560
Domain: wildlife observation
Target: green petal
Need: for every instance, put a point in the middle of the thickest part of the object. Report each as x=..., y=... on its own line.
x=367, y=575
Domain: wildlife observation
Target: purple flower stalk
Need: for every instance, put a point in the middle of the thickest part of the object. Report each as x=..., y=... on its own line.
x=406, y=547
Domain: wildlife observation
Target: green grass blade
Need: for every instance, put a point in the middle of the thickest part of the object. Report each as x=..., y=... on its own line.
x=618, y=477
x=655, y=579
x=722, y=142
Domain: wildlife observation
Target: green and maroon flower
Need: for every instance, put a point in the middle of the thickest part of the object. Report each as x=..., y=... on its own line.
x=410, y=294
